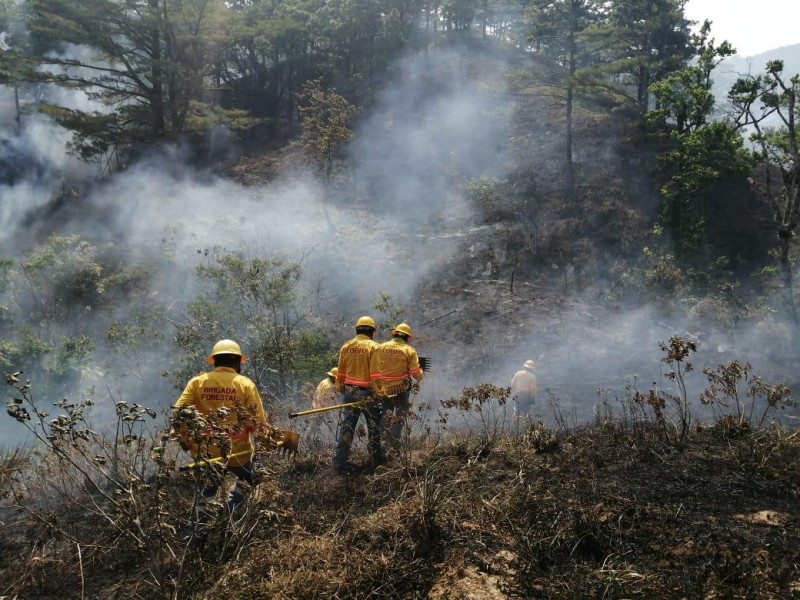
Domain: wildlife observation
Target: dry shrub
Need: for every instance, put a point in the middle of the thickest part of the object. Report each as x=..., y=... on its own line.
x=712, y=313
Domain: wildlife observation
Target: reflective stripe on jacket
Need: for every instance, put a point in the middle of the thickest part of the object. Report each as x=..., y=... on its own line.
x=393, y=363
x=354, y=358
x=224, y=387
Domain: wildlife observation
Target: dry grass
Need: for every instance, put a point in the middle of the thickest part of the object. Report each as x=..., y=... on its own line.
x=604, y=511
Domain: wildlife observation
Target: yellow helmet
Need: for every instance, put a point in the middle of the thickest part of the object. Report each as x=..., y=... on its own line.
x=333, y=372
x=225, y=347
x=366, y=322
x=402, y=328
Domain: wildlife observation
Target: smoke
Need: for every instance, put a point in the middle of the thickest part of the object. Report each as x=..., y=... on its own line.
x=430, y=129
x=34, y=166
x=398, y=223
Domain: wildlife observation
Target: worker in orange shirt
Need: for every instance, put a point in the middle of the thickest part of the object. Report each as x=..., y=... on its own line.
x=354, y=381
x=393, y=366
x=523, y=388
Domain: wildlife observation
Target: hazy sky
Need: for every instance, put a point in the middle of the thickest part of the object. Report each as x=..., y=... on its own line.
x=752, y=27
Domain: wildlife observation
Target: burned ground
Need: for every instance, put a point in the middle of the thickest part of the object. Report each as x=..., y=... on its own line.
x=606, y=511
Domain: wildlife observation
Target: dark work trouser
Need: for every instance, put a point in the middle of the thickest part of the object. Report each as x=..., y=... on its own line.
x=233, y=499
x=400, y=405
x=348, y=419
x=524, y=404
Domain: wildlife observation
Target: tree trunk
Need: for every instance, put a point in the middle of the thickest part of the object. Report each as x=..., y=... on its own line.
x=785, y=237
x=157, y=90
x=18, y=117
x=572, y=59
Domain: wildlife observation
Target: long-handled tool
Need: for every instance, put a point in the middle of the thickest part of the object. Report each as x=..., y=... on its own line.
x=387, y=394
x=204, y=462
x=282, y=439
x=313, y=411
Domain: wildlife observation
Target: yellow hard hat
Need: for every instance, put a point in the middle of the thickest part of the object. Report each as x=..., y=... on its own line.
x=333, y=372
x=404, y=328
x=529, y=364
x=225, y=347
x=366, y=322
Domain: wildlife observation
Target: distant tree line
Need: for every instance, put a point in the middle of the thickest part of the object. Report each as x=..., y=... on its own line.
x=166, y=70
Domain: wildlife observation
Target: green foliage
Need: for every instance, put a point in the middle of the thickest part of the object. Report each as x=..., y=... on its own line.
x=137, y=333
x=699, y=154
x=62, y=276
x=684, y=100
x=315, y=353
x=555, y=29
x=205, y=117
x=394, y=312
x=72, y=355
x=258, y=303
x=755, y=99
x=661, y=278
x=459, y=14
x=59, y=301
x=149, y=66
x=640, y=43
x=325, y=118
x=698, y=160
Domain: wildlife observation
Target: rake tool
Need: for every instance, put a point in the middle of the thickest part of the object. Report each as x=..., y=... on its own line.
x=425, y=363
x=313, y=411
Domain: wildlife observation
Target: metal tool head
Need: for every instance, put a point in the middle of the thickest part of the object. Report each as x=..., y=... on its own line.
x=425, y=363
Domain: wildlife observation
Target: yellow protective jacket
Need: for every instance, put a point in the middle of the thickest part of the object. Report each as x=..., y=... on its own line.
x=326, y=394
x=223, y=387
x=393, y=364
x=523, y=382
x=354, y=358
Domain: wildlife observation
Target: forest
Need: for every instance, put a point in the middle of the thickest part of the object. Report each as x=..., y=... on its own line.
x=546, y=180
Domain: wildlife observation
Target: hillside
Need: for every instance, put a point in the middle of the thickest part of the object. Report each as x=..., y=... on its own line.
x=607, y=511
x=730, y=69
x=447, y=209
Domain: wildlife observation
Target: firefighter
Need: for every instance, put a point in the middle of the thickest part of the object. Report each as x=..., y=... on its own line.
x=216, y=415
x=392, y=368
x=327, y=394
x=353, y=380
x=523, y=388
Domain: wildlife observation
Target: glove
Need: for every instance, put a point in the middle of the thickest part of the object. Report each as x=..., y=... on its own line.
x=173, y=434
x=415, y=388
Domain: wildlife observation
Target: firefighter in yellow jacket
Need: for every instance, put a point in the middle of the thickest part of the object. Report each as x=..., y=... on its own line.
x=523, y=388
x=354, y=381
x=392, y=368
x=217, y=413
